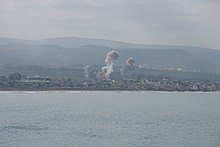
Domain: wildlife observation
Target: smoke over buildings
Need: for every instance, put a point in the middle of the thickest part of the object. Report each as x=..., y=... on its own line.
x=128, y=67
x=106, y=70
x=87, y=70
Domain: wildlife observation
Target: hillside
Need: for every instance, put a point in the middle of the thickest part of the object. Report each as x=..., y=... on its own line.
x=73, y=51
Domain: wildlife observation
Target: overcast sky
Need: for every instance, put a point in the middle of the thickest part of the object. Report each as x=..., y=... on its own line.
x=180, y=22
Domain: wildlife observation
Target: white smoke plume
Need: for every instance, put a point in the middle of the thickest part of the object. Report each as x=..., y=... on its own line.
x=130, y=62
x=88, y=71
x=108, y=69
x=128, y=67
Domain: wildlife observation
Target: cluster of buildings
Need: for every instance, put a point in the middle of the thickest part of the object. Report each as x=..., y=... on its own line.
x=154, y=85
x=21, y=82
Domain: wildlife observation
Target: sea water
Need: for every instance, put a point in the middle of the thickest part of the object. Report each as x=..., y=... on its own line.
x=99, y=119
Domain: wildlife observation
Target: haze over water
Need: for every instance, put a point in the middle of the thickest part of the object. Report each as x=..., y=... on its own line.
x=166, y=119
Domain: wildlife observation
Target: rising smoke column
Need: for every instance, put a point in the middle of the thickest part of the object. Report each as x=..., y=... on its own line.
x=87, y=70
x=128, y=67
x=108, y=69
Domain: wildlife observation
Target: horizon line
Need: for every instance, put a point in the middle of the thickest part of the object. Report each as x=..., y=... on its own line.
x=111, y=40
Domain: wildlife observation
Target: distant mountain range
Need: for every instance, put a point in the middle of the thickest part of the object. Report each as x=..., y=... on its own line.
x=72, y=51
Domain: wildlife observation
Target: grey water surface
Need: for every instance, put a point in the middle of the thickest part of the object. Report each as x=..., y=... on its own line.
x=99, y=119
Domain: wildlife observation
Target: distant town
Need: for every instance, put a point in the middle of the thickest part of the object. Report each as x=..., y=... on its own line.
x=71, y=63
x=128, y=77
x=21, y=82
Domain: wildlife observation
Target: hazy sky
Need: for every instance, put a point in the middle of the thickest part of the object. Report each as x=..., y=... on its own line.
x=182, y=22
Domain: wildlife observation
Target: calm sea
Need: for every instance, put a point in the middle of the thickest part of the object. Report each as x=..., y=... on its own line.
x=112, y=119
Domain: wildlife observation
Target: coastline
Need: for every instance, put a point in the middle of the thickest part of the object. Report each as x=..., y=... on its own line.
x=91, y=90
x=108, y=85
